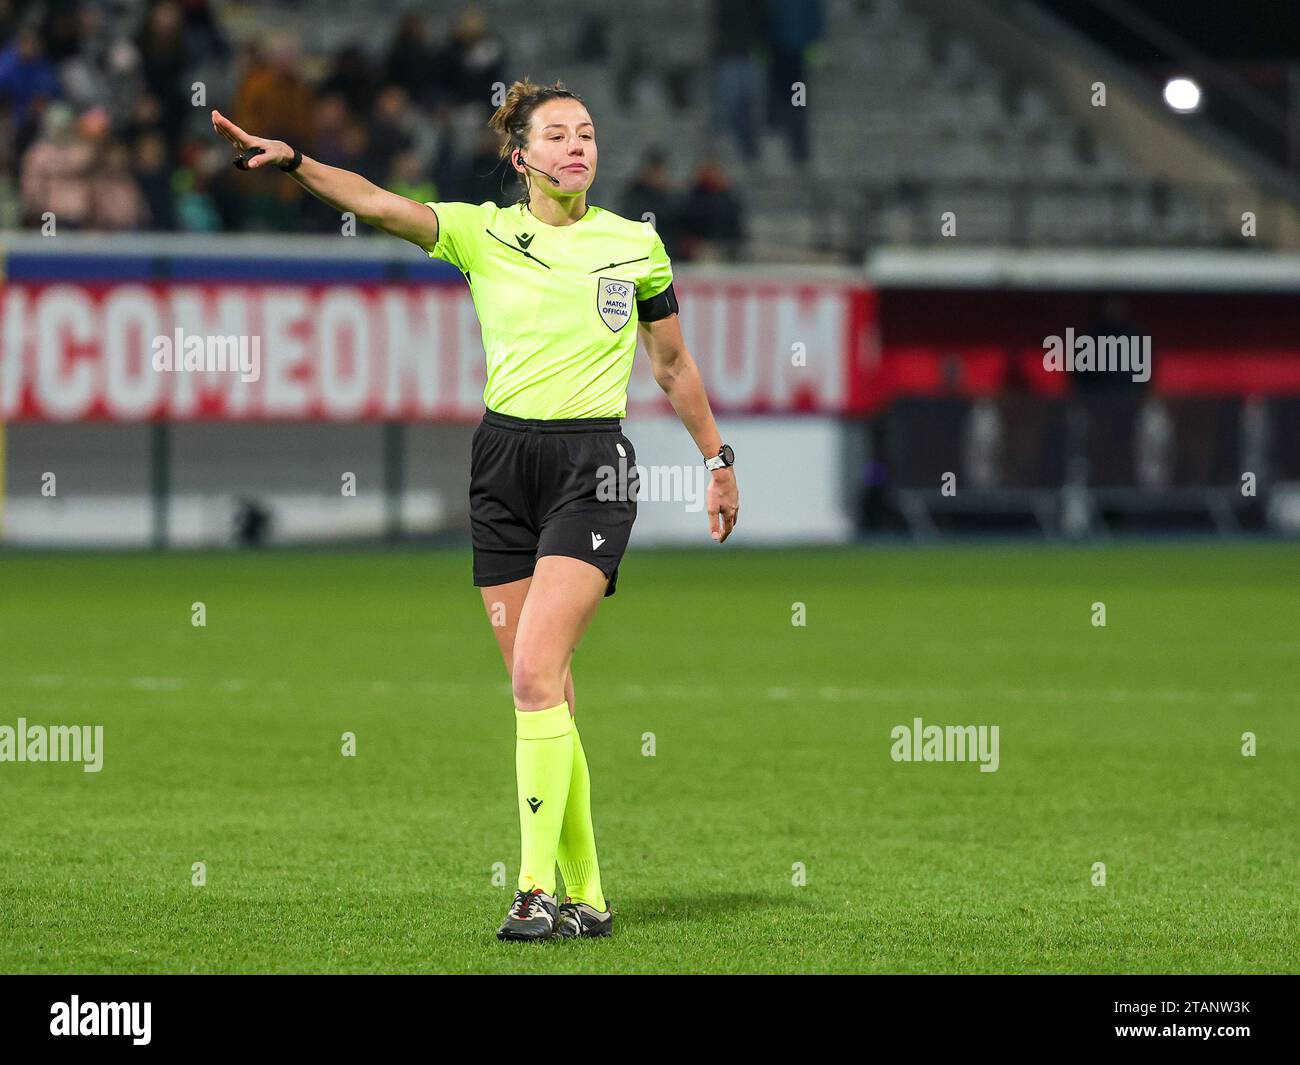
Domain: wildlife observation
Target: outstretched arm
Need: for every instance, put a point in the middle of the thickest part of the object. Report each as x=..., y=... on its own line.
x=341, y=189
x=676, y=373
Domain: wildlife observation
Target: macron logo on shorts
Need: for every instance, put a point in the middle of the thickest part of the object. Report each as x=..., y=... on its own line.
x=596, y=541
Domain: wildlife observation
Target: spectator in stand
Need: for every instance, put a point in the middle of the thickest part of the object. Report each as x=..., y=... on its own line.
x=28, y=80
x=60, y=30
x=105, y=71
x=739, y=37
x=165, y=62
x=8, y=20
x=338, y=140
x=203, y=33
x=55, y=172
x=391, y=130
x=410, y=179
x=274, y=96
x=478, y=177
x=117, y=203
x=411, y=59
x=712, y=217
x=356, y=144
x=329, y=127
x=794, y=29
x=352, y=78
x=347, y=146
x=199, y=191
x=227, y=197
x=472, y=61
x=9, y=209
x=144, y=117
x=442, y=154
x=154, y=174
x=650, y=192
x=487, y=171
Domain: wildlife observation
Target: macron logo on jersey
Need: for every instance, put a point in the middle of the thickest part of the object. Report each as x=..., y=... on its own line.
x=596, y=541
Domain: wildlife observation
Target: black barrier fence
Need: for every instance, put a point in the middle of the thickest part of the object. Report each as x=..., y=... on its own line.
x=1082, y=466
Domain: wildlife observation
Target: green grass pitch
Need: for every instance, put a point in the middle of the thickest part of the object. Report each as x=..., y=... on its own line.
x=1120, y=745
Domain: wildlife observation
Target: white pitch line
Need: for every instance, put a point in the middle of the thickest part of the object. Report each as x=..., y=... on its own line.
x=157, y=684
x=637, y=692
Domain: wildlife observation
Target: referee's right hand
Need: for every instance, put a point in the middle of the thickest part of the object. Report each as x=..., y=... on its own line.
x=273, y=152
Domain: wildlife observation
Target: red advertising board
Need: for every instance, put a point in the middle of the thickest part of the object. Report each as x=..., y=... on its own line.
x=341, y=352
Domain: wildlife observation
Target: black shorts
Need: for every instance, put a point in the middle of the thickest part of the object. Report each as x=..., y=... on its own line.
x=540, y=487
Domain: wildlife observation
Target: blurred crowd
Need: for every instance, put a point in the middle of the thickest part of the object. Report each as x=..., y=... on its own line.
x=109, y=128
x=105, y=104
x=759, y=50
x=706, y=221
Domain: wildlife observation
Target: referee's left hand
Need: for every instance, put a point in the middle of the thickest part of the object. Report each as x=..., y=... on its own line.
x=723, y=498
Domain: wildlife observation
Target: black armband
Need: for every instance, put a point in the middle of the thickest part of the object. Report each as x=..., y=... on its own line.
x=656, y=307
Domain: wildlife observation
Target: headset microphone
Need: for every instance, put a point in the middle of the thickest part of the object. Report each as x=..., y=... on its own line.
x=525, y=162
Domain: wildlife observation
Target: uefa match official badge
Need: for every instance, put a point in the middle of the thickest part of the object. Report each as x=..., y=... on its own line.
x=614, y=301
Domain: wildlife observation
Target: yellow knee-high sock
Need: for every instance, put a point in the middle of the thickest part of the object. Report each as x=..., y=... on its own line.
x=543, y=766
x=577, y=850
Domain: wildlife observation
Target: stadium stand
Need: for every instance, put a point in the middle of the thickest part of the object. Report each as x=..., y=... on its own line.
x=913, y=118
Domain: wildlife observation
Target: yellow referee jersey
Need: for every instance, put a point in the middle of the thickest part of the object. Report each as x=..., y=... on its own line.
x=557, y=304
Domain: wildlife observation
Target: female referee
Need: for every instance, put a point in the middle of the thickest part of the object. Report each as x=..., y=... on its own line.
x=562, y=289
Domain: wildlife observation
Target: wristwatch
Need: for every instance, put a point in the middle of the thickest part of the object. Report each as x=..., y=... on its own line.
x=725, y=457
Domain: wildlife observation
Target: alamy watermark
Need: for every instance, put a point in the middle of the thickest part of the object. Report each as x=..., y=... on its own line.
x=53, y=743
x=653, y=484
x=75, y=1017
x=919, y=742
x=191, y=353
x=1085, y=353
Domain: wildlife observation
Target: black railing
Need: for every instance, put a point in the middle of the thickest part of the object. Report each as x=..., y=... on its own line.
x=1028, y=213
